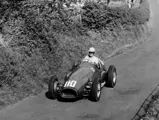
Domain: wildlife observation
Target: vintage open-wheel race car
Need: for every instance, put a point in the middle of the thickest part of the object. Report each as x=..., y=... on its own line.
x=84, y=80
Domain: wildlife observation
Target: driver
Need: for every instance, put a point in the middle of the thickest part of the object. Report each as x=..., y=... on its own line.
x=92, y=58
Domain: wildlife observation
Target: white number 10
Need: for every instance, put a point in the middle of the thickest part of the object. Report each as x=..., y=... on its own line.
x=71, y=83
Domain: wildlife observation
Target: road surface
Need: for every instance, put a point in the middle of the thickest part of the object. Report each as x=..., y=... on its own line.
x=137, y=76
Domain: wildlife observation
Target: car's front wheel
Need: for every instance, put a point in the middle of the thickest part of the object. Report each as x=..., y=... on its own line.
x=95, y=92
x=111, y=77
x=53, y=82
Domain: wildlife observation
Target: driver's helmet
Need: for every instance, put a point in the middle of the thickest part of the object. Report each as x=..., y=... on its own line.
x=91, y=51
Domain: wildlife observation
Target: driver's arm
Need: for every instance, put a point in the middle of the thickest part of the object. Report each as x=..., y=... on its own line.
x=102, y=64
x=101, y=61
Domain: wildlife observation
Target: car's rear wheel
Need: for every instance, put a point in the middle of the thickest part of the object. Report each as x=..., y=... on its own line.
x=53, y=82
x=95, y=92
x=111, y=77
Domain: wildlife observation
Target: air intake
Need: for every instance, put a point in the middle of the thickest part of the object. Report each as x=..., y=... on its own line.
x=69, y=93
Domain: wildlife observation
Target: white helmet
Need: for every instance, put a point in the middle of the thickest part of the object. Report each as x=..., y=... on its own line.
x=92, y=50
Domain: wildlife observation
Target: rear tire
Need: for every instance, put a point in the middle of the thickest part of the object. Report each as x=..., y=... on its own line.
x=111, y=77
x=95, y=92
x=53, y=82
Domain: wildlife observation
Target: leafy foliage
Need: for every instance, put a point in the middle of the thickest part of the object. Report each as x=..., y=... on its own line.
x=99, y=16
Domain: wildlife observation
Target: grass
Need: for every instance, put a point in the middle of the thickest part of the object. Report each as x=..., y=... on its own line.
x=149, y=110
x=40, y=39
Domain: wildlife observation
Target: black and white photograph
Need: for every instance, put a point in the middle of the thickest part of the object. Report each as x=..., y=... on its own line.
x=79, y=59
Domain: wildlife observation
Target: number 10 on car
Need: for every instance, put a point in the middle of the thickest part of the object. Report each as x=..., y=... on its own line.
x=70, y=83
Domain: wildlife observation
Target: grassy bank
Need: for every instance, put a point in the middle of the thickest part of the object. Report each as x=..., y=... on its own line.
x=40, y=39
x=149, y=109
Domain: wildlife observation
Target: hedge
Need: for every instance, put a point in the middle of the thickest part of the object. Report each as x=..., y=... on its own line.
x=98, y=16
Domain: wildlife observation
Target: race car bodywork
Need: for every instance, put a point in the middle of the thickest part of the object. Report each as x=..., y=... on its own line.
x=85, y=80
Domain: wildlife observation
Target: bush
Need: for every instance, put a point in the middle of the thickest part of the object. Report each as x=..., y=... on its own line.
x=98, y=16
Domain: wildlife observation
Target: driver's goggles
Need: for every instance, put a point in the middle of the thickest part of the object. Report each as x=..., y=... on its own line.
x=91, y=52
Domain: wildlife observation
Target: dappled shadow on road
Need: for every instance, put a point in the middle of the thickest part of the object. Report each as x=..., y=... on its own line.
x=47, y=95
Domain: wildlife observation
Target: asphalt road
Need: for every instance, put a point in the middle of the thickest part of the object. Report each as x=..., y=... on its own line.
x=137, y=76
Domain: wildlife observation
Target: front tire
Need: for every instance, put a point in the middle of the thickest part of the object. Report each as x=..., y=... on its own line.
x=111, y=77
x=53, y=82
x=95, y=92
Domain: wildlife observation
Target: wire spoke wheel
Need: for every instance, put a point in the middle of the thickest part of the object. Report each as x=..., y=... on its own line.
x=98, y=90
